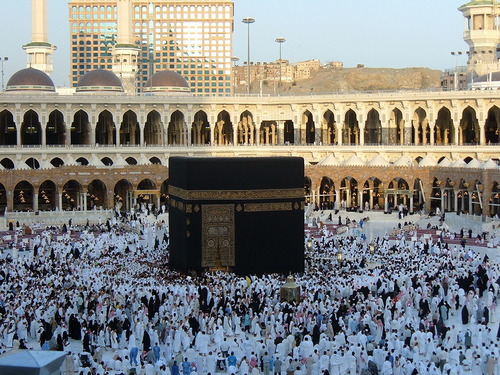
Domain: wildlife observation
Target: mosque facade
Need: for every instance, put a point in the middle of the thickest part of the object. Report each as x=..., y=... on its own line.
x=103, y=146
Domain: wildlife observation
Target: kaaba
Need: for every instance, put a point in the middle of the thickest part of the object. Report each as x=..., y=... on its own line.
x=241, y=214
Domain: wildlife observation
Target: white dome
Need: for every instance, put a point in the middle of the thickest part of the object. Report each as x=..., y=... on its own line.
x=474, y=163
x=459, y=163
x=489, y=164
x=404, y=161
x=353, y=160
x=427, y=161
x=445, y=162
x=378, y=161
x=329, y=160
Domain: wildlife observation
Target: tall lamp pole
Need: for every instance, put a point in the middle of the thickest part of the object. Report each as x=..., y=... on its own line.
x=456, y=54
x=280, y=41
x=3, y=59
x=248, y=21
x=234, y=59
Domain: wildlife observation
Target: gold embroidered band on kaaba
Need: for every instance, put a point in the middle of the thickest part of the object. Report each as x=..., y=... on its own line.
x=190, y=195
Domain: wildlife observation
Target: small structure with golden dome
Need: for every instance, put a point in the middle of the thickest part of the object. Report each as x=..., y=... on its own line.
x=290, y=291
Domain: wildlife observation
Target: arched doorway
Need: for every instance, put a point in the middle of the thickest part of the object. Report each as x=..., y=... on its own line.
x=395, y=131
x=96, y=195
x=350, y=131
x=123, y=196
x=349, y=194
x=246, y=129
x=130, y=132
x=8, y=129
x=31, y=130
x=373, y=128
x=176, y=129
x=373, y=194
x=153, y=129
x=327, y=196
x=200, y=130
x=494, y=201
x=3, y=199
x=469, y=127
x=72, y=196
x=289, y=133
x=329, y=128
x=309, y=128
x=80, y=129
x=492, y=127
x=443, y=131
x=223, y=132
x=55, y=132
x=47, y=196
x=420, y=127
x=268, y=134
x=23, y=196
x=105, y=131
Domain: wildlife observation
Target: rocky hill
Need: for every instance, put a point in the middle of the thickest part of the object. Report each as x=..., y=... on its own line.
x=357, y=79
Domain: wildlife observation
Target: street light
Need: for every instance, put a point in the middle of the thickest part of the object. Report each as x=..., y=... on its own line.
x=280, y=41
x=2, y=59
x=234, y=59
x=456, y=54
x=248, y=21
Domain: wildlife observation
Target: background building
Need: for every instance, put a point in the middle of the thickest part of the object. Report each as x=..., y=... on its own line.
x=193, y=38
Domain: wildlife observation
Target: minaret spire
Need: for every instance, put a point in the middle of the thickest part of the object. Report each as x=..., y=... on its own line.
x=125, y=52
x=482, y=34
x=39, y=51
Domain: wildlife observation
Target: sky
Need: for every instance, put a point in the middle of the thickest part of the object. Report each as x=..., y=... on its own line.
x=376, y=33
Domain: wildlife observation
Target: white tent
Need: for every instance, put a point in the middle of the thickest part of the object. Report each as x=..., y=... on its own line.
x=31, y=362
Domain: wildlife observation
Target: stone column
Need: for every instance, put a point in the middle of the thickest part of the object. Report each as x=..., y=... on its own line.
x=482, y=135
x=361, y=134
x=35, y=202
x=431, y=132
x=84, y=201
x=59, y=202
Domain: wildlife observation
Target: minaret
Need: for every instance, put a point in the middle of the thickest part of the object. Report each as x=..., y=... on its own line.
x=482, y=34
x=125, y=52
x=39, y=51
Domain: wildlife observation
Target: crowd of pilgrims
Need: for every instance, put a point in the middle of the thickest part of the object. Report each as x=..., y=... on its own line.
x=409, y=308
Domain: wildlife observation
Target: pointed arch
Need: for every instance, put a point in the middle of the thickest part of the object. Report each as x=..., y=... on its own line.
x=72, y=196
x=469, y=132
x=55, y=132
x=23, y=196
x=246, y=129
x=492, y=126
x=123, y=196
x=153, y=129
x=308, y=128
x=350, y=130
x=395, y=130
x=8, y=129
x=130, y=132
x=329, y=128
x=200, y=129
x=420, y=127
x=96, y=195
x=105, y=131
x=176, y=131
x=47, y=196
x=223, y=132
x=80, y=129
x=373, y=128
x=443, y=130
x=31, y=130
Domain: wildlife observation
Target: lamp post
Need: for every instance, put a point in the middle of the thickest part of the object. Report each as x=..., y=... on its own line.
x=234, y=59
x=456, y=54
x=248, y=21
x=280, y=41
x=2, y=59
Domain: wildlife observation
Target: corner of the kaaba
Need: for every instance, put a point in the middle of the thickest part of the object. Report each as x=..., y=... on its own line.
x=243, y=214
